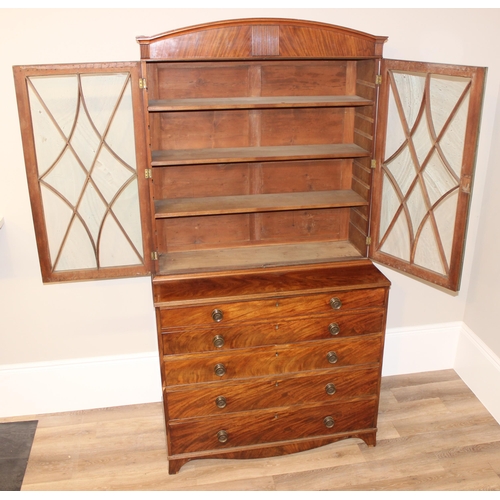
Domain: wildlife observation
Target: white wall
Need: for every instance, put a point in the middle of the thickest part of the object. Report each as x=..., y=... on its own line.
x=482, y=313
x=47, y=323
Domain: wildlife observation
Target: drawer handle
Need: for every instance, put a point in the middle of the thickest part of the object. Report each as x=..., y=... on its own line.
x=329, y=422
x=334, y=328
x=335, y=303
x=330, y=389
x=332, y=357
x=221, y=402
x=218, y=341
x=217, y=315
x=219, y=369
x=222, y=436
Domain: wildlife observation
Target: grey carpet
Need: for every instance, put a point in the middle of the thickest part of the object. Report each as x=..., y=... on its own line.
x=16, y=439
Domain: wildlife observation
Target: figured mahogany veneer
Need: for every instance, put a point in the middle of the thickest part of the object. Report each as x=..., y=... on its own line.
x=281, y=331
x=270, y=360
x=273, y=425
x=256, y=363
x=324, y=386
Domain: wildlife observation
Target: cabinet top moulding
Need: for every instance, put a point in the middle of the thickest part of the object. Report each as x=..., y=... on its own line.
x=261, y=38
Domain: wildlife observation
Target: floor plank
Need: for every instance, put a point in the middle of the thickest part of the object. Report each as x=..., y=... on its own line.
x=433, y=435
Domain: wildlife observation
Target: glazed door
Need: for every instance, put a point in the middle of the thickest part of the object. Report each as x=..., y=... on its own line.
x=428, y=127
x=84, y=147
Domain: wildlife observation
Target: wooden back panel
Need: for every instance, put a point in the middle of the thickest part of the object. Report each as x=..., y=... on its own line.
x=209, y=88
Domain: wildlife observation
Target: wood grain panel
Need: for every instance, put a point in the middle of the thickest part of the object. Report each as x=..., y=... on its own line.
x=360, y=221
x=265, y=40
x=274, y=202
x=271, y=392
x=198, y=80
x=302, y=126
x=266, y=102
x=223, y=42
x=304, y=176
x=234, y=39
x=281, y=331
x=247, y=285
x=203, y=232
x=271, y=360
x=256, y=256
x=241, y=230
x=316, y=42
x=261, y=153
x=202, y=180
x=300, y=78
x=302, y=226
x=203, y=129
x=305, y=304
x=270, y=425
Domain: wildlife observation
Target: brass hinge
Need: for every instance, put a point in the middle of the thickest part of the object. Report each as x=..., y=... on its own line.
x=378, y=80
x=148, y=173
x=154, y=255
x=142, y=83
x=368, y=240
x=373, y=164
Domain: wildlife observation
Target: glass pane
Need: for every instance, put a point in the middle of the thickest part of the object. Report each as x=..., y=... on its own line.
x=85, y=150
x=407, y=103
x=398, y=241
x=423, y=160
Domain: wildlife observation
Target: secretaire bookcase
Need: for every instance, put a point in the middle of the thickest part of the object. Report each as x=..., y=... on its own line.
x=255, y=168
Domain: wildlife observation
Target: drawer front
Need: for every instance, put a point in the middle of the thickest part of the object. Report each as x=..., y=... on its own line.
x=267, y=392
x=272, y=360
x=259, y=310
x=222, y=337
x=267, y=426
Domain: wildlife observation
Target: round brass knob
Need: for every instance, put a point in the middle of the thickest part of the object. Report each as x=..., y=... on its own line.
x=335, y=303
x=222, y=436
x=330, y=389
x=329, y=422
x=218, y=341
x=217, y=315
x=332, y=357
x=220, y=401
x=219, y=369
x=334, y=328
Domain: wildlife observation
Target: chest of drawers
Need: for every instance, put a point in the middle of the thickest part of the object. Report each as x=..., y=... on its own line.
x=270, y=362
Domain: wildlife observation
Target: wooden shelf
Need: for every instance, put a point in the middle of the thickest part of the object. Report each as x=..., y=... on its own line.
x=200, y=104
x=216, y=205
x=255, y=256
x=252, y=154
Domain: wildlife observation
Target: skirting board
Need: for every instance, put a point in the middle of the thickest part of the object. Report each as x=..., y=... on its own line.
x=79, y=384
x=82, y=384
x=479, y=367
x=420, y=348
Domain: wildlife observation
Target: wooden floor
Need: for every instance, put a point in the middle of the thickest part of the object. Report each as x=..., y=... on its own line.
x=433, y=435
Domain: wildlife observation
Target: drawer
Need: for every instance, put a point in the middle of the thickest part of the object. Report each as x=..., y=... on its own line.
x=271, y=360
x=267, y=426
x=222, y=337
x=255, y=283
x=260, y=310
x=336, y=384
